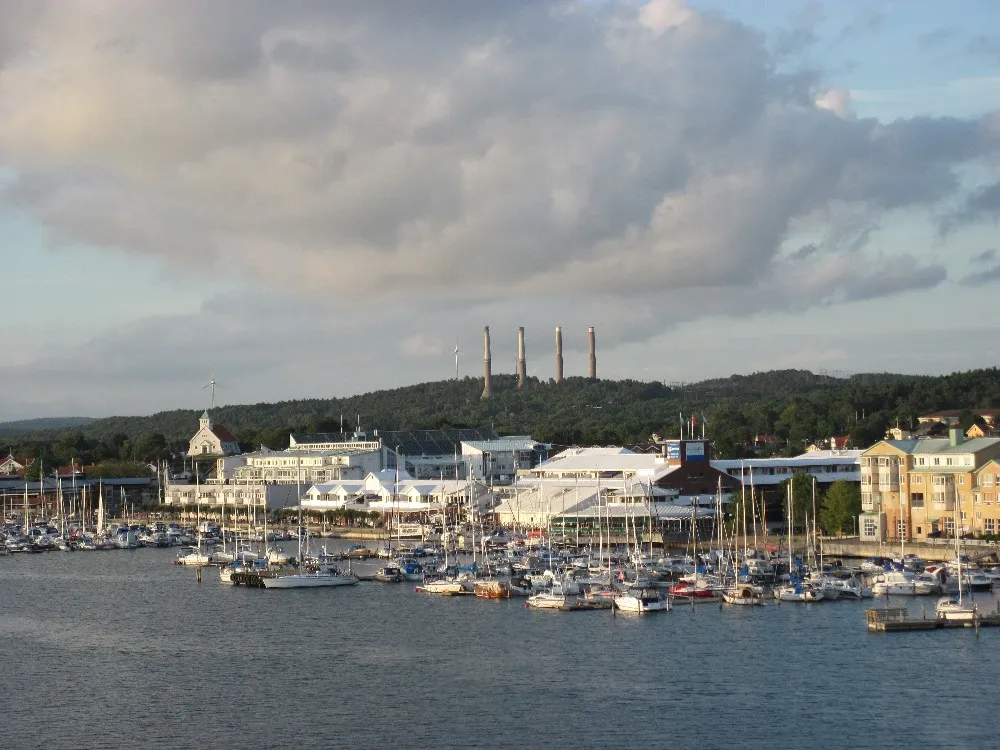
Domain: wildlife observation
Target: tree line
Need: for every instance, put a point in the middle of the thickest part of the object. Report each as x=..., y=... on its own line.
x=796, y=407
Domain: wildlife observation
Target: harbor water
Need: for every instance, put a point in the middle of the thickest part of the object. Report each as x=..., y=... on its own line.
x=122, y=649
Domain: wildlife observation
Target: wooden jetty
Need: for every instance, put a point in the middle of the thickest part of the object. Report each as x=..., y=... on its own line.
x=898, y=620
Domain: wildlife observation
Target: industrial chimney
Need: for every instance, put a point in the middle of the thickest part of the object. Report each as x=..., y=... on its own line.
x=522, y=368
x=487, y=373
x=559, y=361
x=593, y=354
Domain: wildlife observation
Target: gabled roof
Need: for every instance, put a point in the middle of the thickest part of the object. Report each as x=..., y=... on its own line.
x=221, y=432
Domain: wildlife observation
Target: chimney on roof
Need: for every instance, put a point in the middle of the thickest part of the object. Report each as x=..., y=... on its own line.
x=559, y=360
x=522, y=367
x=487, y=365
x=955, y=436
x=593, y=353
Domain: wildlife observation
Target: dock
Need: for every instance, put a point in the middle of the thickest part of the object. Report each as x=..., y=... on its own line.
x=898, y=620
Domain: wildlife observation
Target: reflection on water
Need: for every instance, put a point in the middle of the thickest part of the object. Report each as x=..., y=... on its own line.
x=121, y=649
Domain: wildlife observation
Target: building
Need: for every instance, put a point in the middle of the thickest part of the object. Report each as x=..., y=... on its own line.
x=582, y=490
x=239, y=500
x=297, y=465
x=212, y=439
x=913, y=489
x=763, y=476
x=391, y=495
x=498, y=461
x=423, y=454
x=15, y=465
x=951, y=417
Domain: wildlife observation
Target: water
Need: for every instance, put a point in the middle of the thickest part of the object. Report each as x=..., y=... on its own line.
x=121, y=649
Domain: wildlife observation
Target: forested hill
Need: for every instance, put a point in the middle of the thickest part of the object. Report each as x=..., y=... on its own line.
x=796, y=405
x=21, y=426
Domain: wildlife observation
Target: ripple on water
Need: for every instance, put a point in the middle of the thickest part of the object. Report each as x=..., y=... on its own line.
x=122, y=649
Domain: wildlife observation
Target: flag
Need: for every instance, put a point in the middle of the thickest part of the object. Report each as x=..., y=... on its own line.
x=704, y=420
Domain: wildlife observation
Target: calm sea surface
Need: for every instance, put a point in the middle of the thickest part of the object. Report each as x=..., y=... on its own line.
x=122, y=649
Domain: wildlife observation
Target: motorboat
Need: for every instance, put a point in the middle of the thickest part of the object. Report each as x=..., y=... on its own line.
x=904, y=583
x=389, y=574
x=976, y=580
x=443, y=586
x=641, y=601
x=492, y=590
x=547, y=600
x=412, y=571
x=848, y=588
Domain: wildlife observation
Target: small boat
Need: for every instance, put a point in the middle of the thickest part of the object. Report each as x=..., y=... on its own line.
x=492, y=590
x=389, y=574
x=325, y=576
x=799, y=592
x=743, y=594
x=547, y=600
x=903, y=583
x=955, y=609
x=412, y=571
x=641, y=601
x=442, y=586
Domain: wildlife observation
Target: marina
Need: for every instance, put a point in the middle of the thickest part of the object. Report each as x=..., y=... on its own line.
x=147, y=632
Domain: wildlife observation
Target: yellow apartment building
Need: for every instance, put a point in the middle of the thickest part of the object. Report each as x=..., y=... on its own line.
x=914, y=488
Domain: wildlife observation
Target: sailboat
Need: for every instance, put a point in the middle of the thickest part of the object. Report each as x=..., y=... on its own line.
x=741, y=593
x=949, y=608
x=323, y=575
x=796, y=590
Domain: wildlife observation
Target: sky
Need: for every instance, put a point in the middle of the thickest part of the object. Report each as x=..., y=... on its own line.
x=313, y=199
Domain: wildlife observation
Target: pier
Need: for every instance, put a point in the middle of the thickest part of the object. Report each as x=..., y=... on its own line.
x=898, y=620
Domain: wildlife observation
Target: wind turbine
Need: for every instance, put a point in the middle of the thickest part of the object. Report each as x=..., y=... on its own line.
x=456, y=352
x=213, y=385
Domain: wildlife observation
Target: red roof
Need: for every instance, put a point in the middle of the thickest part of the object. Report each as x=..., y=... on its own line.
x=839, y=441
x=223, y=434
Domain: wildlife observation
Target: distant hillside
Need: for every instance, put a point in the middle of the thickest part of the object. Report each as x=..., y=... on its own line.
x=21, y=426
x=795, y=406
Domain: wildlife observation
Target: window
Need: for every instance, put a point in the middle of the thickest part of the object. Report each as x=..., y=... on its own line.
x=916, y=479
x=989, y=526
x=963, y=515
x=937, y=461
x=948, y=461
x=976, y=498
x=979, y=515
x=919, y=531
x=987, y=480
x=949, y=526
x=900, y=528
x=870, y=527
x=917, y=499
x=961, y=479
x=920, y=460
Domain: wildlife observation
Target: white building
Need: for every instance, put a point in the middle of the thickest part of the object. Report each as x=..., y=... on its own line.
x=827, y=466
x=381, y=492
x=498, y=461
x=212, y=439
x=240, y=498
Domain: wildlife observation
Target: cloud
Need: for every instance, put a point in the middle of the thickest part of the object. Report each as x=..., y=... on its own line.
x=457, y=164
x=981, y=204
x=837, y=101
x=985, y=256
x=986, y=276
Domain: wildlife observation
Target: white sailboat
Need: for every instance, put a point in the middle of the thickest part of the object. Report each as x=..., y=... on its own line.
x=949, y=608
x=324, y=575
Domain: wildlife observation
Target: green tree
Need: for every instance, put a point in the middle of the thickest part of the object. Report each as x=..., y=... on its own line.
x=802, y=494
x=841, y=505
